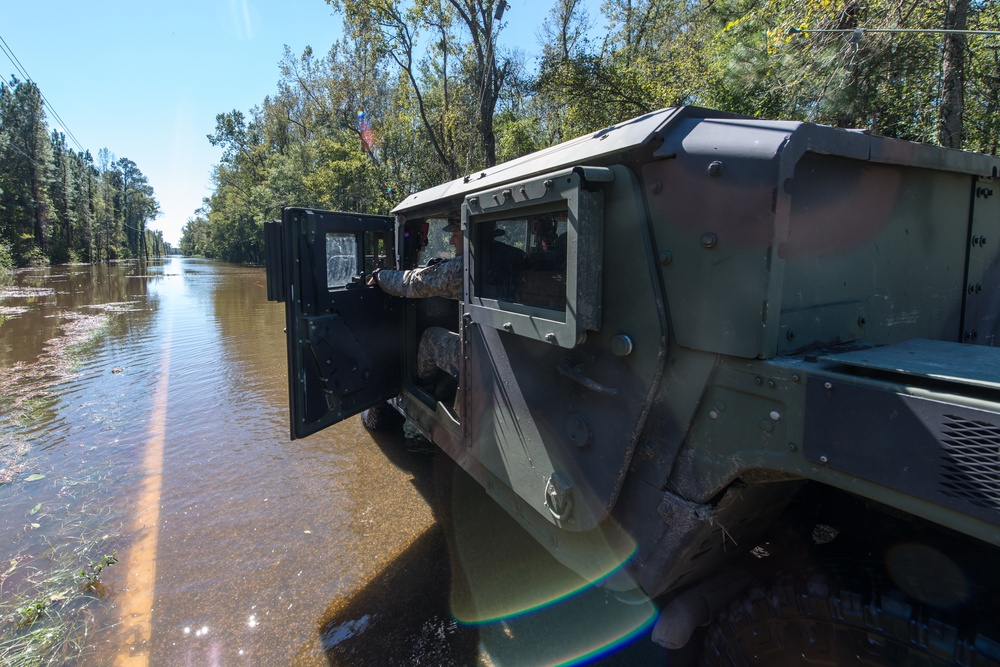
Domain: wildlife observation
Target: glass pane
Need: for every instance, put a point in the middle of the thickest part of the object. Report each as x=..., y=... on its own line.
x=438, y=241
x=341, y=258
x=376, y=251
x=543, y=282
x=524, y=260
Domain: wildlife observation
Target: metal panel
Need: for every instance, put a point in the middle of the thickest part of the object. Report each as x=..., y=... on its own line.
x=274, y=262
x=930, y=449
x=930, y=359
x=981, y=323
x=879, y=236
x=712, y=207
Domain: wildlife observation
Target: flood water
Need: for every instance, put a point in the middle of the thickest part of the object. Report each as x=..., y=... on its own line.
x=144, y=417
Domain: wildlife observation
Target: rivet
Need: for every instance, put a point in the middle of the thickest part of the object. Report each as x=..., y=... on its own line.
x=772, y=384
x=709, y=240
x=550, y=337
x=795, y=377
x=507, y=326
x=862, y=321
x=548, y=184
x=775, y=415
x=792, y=447
x=655, y=187
x=666, y=258
x=823, y=459
x=758, y=380
x=827, y=385
x=474, y=201
x=712, y=414
x=715, y=168
x=790, y=334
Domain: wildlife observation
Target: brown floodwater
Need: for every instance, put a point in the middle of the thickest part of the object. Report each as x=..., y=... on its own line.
x=143, y=413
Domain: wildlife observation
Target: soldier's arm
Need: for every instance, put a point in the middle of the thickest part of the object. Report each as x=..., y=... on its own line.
x=444, y=279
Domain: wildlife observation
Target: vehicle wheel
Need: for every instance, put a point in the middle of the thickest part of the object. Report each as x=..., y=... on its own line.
x=381, y=417
x=812, y=618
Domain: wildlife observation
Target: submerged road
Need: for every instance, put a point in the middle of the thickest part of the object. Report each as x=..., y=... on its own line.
x=155, y=406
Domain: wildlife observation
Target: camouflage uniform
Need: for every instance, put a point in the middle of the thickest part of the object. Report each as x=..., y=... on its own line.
x=438, y=348
x=443, y=279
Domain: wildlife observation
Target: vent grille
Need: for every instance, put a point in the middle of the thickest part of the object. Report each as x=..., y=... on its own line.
x=971, y=461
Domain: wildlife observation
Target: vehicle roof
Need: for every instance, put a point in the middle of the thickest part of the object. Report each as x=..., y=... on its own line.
x=588, y=148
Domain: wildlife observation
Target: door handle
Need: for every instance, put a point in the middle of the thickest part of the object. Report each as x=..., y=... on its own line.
x=575, y=373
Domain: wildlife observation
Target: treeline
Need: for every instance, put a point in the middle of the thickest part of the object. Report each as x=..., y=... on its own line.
x=58, y=205
x=419, y=92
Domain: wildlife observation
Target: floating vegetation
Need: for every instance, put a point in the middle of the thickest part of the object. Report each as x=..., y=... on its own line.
x=26, y=385
x=13, y=460
x=21, y=292
x=13, y=311
x=46, y=603
x=117, y=307
x=50, y=589
x=52, y=568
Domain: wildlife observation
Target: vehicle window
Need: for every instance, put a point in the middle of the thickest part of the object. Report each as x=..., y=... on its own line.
x=341, y=258
x=438, y=241
x=376, y=252
x=524, y=260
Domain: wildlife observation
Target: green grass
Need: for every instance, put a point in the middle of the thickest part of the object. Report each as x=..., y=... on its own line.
x=51, y=593
x=50, y=616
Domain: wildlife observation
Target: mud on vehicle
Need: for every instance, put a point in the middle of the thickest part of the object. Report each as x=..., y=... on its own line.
x=746, y=368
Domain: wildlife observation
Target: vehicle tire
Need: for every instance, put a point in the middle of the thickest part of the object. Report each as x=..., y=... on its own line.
x=381, y=417
x=819, y=618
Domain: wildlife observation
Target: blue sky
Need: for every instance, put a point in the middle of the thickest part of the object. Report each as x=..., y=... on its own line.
x=146, y=79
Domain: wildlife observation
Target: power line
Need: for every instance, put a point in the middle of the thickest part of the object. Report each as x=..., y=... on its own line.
x=9, y=52
x=858, y=33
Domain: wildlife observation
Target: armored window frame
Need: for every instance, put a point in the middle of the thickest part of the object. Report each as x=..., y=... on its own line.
x=577, y=194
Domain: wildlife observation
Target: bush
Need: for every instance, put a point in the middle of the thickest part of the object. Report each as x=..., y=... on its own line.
x=26, y=253
x=6, y=259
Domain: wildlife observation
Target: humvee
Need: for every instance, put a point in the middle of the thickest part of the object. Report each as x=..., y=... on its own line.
x=747, y=368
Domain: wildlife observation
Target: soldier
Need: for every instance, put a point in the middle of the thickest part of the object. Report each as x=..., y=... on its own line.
x=439, y=347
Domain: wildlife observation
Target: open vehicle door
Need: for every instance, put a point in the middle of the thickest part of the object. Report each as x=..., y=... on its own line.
x=343, y=336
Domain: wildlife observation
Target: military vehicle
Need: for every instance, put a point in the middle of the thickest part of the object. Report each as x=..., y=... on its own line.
x=746, y=368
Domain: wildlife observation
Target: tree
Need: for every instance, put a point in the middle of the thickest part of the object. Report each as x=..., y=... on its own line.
x=50, y=195
x=26, y=169
x=953, y=74
x=137, y=206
